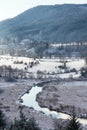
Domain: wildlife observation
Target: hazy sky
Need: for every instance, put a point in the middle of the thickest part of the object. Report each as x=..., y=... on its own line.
x=11, y=8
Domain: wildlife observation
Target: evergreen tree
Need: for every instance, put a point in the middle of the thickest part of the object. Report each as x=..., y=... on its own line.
x=24, y=124
x=73, y=123
x=23, y=120
x=32, y=125
x=2, y=120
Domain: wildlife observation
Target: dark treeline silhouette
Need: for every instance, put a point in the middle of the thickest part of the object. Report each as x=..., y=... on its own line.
x=71, y=124
x=24, y=123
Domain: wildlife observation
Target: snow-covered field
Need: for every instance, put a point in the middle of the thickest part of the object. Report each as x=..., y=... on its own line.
x=9, y=61
x=52, y=65
x=77, y=63
x=13, y=90
x=49, y=67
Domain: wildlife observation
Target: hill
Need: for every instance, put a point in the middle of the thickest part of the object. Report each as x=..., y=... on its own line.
x=54, y=23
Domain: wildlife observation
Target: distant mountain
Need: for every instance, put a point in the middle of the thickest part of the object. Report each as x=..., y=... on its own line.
x=56, y=23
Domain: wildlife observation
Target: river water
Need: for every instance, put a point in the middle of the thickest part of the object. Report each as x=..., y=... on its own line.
x=29, y=99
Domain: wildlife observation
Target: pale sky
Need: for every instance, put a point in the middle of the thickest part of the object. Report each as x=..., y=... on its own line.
x=11, y=8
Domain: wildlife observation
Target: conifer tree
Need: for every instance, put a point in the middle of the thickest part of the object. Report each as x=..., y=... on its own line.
x=2, y=120
x=24, y=123
x=73, y=123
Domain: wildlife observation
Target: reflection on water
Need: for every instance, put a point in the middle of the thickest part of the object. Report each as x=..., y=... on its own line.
x=30, y=100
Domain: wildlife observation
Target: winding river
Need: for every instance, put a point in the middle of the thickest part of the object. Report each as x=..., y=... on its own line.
x=29, y=99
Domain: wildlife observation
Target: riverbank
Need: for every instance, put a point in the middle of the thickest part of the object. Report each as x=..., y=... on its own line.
x=10, y=95
x=11, y=92
x=63, y=96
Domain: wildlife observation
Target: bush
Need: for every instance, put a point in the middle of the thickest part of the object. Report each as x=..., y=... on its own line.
x=83, y=72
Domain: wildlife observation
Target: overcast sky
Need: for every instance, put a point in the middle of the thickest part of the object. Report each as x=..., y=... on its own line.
x=11, y=8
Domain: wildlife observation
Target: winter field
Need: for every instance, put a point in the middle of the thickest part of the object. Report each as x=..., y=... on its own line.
x=45, y=68
x=11, y=92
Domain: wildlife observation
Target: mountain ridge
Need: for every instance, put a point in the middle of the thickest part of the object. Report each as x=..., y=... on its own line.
x=50, y=23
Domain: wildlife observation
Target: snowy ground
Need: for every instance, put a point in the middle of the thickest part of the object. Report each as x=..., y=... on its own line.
x=9, y=61
x=9, y=103
x=12, y=91
x=49, y=67
x=68, y=94
x=52, y=65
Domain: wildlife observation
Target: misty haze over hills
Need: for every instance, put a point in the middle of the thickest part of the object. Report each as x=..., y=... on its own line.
x=58, y=23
